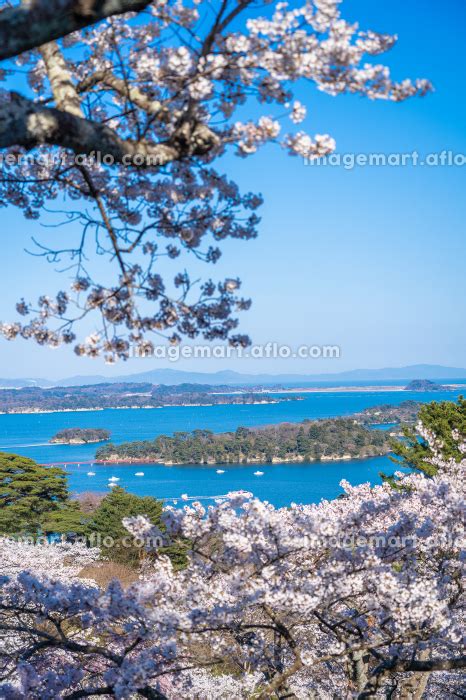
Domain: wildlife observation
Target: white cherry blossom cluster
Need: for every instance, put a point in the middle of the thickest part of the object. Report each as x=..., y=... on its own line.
x=303, y=145
x=298, y=112
x=55, y=560
x=250, y=136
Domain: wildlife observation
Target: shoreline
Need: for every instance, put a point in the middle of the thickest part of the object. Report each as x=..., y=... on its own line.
x=298, y=459
x=77, y=442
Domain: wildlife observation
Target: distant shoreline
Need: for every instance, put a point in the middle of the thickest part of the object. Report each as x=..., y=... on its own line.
x=263, y=390
x=341, y=389
x=33, y=411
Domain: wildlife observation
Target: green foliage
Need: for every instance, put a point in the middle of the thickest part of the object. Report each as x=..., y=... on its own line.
x=393, y=481
x=106, y=530
x=286, y=441
x=441, y=419
x=30, y=495
x=68, y=520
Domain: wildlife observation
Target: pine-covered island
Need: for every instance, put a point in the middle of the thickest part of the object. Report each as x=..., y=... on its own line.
x=387, y=414
x=326, y=440
x=80, y=436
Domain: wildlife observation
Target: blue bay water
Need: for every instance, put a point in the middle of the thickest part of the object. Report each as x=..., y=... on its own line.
x=281, y=484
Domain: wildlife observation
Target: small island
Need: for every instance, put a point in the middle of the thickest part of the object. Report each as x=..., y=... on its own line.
x=322, y=440
x=80, y=436
x=425, y=385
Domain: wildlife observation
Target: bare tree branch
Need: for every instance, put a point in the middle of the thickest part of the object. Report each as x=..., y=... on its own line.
x=431, y=665
x=392, y=666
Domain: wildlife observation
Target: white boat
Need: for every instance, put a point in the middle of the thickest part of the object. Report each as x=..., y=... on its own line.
x=184, y=497
x=91, y=473
x=258, y=473
x=220, y=471
x=114, y=478
x=139, y=474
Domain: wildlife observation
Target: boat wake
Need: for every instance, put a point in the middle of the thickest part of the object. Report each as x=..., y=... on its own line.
x=35, y=444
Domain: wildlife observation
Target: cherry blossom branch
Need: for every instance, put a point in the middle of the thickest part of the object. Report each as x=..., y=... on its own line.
x=131, y=92
x=37, y=22
x=150, y=104
x=64, y=92
x=24, y=123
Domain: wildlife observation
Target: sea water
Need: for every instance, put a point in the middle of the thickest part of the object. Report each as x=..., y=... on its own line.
x=281, y=484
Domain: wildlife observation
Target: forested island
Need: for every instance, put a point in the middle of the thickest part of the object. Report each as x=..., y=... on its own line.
x=311, y=440
x=341, y=438
x=80, y=436
x=126, y=395
x=385, y=414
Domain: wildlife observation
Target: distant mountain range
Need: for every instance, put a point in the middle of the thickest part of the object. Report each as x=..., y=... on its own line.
x=231, y=378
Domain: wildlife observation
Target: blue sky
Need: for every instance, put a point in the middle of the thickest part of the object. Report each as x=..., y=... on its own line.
x=370, y=259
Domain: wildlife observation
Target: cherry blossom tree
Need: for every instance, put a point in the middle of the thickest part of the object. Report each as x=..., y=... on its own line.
x=58, y=560
x=121, y=129
x=359, y=597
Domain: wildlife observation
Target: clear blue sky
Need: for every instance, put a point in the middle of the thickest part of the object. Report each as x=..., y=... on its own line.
x=371, y=259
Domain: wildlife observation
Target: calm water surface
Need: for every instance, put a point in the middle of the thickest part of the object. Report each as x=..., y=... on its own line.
x=281, y=484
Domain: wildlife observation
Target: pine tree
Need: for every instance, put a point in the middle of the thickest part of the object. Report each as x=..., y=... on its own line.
x=29, y=494
x=442, y=419
x=106, y=529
